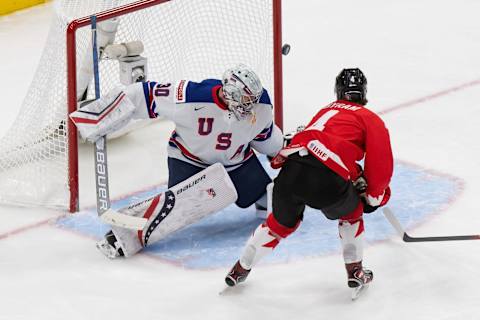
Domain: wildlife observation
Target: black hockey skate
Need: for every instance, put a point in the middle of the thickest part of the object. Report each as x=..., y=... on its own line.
x=236, y=275
x=358, y=278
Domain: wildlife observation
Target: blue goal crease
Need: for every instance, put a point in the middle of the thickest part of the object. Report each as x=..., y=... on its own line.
x=218, y=240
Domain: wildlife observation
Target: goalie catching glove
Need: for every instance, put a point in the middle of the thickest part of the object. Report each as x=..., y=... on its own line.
x=103, y=116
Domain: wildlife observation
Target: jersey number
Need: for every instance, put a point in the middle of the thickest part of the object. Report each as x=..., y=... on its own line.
x=322, y=121
x=162, y=90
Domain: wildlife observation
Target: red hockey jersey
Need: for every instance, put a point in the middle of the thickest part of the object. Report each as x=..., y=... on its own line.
x=343, y=133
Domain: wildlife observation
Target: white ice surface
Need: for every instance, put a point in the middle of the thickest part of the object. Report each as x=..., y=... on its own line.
x=408, y=50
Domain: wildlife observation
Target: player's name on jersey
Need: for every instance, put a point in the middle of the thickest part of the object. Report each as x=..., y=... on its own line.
x=336, y=105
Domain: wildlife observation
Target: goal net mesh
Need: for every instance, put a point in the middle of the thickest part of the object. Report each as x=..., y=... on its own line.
x=183, y=39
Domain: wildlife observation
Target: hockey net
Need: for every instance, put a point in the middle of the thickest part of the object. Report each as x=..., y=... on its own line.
x=194, y=39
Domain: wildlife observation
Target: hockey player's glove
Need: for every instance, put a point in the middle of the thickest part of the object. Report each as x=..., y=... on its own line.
x=360, y=185
x=369, y=207
x=370, y=204
x=277, y=161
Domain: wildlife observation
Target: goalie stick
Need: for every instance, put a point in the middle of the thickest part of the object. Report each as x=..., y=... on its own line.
x=107, y=214
x=100, y=149
x=407, y=238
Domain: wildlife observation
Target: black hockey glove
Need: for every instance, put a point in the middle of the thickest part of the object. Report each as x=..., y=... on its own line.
x=360, y=186
x=368, y=208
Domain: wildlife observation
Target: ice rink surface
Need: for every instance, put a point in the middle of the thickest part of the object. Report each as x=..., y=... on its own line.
x=421, y=61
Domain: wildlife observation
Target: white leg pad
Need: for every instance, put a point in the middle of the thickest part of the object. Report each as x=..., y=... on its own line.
x=351, y=236
x=199, y=196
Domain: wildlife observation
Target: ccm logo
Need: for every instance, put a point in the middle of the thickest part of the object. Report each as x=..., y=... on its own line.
x=101, y=179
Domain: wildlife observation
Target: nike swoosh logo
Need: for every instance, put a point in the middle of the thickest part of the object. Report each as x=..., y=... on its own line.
x=196, y=109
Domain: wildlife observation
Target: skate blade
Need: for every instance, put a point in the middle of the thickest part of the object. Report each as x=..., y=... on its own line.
x=110, y=253
x=225, y=291
x=231, y=291
x=357, y=292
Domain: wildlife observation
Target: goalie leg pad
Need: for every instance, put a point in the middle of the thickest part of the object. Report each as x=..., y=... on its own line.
x=202, y=194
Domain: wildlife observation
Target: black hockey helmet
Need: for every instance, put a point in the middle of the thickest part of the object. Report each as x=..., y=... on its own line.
x=351, y=85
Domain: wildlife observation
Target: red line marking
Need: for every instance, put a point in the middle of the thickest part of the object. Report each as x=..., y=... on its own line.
x=27, y=227
x=430, y=97
x=382, y=112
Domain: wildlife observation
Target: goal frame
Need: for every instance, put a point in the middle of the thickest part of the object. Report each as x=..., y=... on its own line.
x=76, y=24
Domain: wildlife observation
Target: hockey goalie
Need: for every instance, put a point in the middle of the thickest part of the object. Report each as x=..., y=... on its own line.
x=216, y=122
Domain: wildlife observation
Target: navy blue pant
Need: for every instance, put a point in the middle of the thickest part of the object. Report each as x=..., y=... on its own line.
x=250, y=179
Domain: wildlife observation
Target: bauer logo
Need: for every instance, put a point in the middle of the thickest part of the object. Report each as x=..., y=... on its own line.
x=101, y=168
x=191, y=184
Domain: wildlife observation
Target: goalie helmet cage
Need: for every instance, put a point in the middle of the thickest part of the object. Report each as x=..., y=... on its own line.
x=183, y=39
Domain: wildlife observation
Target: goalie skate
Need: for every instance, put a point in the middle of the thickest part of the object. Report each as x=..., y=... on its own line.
x=109, y=246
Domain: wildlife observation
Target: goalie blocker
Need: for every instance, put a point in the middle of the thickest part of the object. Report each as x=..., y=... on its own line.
x=202, y=194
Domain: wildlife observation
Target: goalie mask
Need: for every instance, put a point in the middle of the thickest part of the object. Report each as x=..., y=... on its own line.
x=242, y=89
x=351, y=85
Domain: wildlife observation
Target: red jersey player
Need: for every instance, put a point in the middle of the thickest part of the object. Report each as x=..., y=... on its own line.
x=320, y=169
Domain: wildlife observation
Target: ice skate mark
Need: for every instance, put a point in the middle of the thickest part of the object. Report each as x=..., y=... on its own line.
x=430, y=97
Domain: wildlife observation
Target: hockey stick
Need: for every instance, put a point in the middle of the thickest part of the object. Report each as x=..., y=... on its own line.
x=101, y=168
x=107, y=214
x=398, y=227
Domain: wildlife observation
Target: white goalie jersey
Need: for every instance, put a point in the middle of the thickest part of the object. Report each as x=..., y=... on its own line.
x=206, y=131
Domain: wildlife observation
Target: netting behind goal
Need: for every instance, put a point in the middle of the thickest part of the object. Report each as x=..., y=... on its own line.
x=183, y=39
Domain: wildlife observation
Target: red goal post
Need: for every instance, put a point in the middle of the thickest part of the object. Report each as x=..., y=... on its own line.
x=273, y=48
